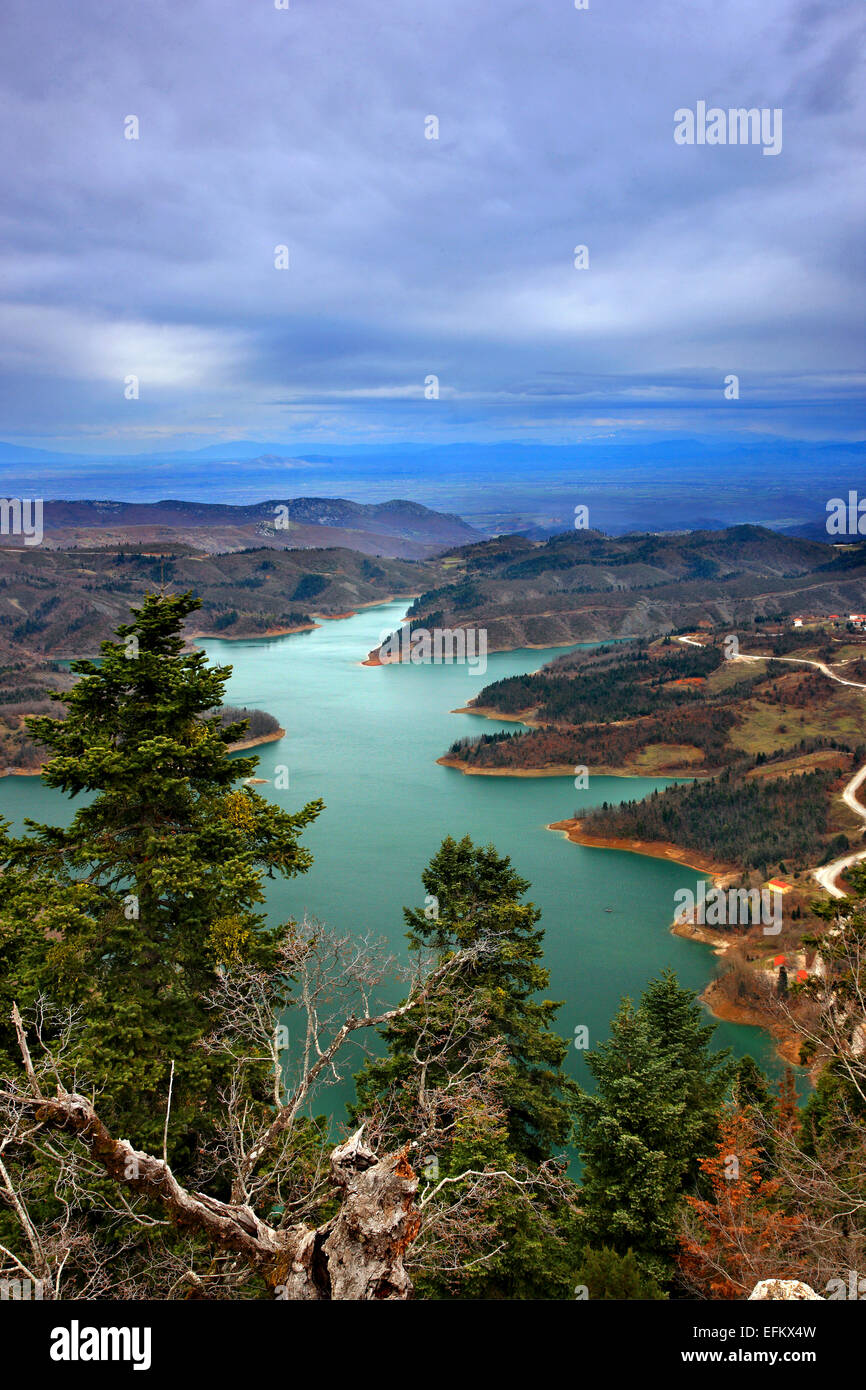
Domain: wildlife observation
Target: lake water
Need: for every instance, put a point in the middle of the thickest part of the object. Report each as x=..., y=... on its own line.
x=366, y=739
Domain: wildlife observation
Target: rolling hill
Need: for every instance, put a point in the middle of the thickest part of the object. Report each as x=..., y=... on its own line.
x=583, y=585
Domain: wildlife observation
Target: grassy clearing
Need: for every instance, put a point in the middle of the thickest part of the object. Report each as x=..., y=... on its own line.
x=732, y=673
x=806, y=762
x=660, y=758
x=765, y=727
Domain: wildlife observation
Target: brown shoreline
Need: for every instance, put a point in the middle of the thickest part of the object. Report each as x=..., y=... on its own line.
x=786, y=1038
x=555, y=770
x=189, y=643
x=372, y=657
x=521, y=647
x=318, y=619
x=372, y=603
x=193, y=637
x=254, y=742
x=487, y=712
x=653, y=849
x=469, y=770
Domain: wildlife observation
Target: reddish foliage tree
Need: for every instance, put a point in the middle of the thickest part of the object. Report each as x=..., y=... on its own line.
x=738, y=1235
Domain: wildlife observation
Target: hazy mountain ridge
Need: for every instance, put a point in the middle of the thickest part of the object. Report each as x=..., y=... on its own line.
x=394, y=528
x=648, y=481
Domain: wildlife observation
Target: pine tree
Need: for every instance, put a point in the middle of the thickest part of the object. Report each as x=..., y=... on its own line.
x=474, y=898
x=650, y=1121
x=751, y=1088
x=128, y=913
x=628, y=1138
x=607, y=1275
x=702, y=1076
x=752, y=1096
x=521, y=1243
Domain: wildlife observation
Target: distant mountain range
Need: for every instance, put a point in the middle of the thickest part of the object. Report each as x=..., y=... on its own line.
x=393, y=528
x=645, y=480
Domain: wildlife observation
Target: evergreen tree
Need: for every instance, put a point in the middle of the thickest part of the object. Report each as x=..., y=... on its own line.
x=702, y=1076
x=128, y=913
x=753, y=1097
x=529, y=1239
x=474, y=899
x=751, y=1088
x=607, y=1275
x=650, y=1121
x=628, y=1137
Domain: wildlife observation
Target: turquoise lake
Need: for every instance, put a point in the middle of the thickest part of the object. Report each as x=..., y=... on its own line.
x=366, y=740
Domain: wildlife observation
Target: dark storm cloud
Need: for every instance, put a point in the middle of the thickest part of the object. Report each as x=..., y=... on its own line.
x=409, y=256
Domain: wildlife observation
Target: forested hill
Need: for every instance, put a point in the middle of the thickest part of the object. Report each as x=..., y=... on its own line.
x=672, y=708
x=583, y=585
x=774, y=740
x=56, y=602
x=755, y=823
x=612, y=683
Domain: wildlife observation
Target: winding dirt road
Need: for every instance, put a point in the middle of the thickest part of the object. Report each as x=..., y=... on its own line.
x=827, y=874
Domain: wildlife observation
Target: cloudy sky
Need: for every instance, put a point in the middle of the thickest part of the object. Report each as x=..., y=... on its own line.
x=410, y=257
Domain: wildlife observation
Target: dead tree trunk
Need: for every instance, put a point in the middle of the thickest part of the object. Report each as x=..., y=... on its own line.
x=356, y=1255
x=359, y=1253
